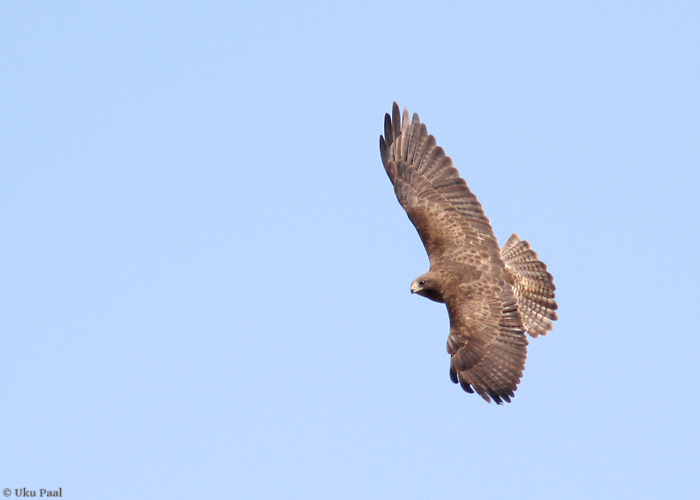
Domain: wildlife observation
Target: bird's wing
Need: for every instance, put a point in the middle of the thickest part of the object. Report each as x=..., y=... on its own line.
x=487, y=340
x=448, y=217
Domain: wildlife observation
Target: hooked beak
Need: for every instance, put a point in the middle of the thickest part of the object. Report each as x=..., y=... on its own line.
x=414, y=288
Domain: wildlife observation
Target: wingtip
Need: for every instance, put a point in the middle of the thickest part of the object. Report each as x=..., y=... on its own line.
x=396, y=120
x=383, y=150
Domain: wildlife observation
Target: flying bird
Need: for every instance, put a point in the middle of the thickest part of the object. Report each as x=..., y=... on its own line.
x=493, y=295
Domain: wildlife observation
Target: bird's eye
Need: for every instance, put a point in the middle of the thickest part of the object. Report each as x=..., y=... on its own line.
x=422, y=283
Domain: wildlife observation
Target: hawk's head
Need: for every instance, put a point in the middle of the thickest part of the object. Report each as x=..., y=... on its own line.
x=429, y=286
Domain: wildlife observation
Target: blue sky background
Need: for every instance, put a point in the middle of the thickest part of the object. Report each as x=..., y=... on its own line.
x=205, y=272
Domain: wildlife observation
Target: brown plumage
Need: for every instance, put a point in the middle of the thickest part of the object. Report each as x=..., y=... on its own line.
x=493, y=296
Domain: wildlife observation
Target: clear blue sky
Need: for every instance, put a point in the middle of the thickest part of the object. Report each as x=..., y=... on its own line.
x=205, y=272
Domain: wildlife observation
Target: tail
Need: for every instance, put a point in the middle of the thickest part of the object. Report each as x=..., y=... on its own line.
x=532, y=284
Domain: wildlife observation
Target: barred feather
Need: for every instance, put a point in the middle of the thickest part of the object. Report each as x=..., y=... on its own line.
x=532, y=285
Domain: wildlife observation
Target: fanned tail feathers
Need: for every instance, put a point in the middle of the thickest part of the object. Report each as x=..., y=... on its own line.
x=532, y=284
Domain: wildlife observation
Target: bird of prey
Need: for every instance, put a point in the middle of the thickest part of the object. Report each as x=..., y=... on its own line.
x=493, y=295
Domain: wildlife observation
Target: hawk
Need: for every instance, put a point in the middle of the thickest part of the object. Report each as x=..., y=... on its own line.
x=493, y=295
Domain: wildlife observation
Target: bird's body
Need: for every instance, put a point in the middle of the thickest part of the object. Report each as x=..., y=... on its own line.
x=493, y=296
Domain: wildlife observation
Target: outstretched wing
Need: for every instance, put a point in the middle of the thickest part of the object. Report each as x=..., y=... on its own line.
x=487, y=341
x=448, y=217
